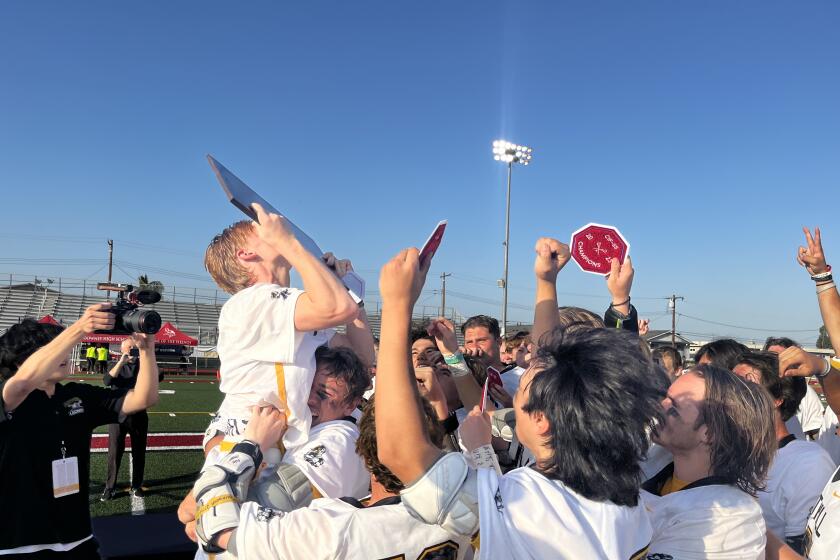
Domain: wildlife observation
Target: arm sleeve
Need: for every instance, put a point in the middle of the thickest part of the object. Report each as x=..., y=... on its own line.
x=266, y=534
x=615, y=320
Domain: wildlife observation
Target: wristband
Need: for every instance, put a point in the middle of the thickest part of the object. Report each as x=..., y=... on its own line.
x=823, y=278
x=620, y=304
x=461, y=369
x=823, y=287
x=485, y=458
x=453, y=359
x=821, y=275
x=450, y=425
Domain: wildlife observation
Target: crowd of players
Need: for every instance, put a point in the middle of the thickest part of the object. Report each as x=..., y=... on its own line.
x=327, y=446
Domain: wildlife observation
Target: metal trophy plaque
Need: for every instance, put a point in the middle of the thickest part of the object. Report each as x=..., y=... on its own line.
x=242, y=196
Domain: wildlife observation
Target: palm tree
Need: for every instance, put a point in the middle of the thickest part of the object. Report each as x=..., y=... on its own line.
x=145, y=284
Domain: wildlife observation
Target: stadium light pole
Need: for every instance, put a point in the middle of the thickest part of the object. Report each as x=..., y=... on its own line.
x=509, y=153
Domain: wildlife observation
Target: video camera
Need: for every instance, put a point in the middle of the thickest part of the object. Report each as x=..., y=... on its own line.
x=129, y=317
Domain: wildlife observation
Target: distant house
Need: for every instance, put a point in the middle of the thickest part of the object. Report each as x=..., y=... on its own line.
x=657, y=338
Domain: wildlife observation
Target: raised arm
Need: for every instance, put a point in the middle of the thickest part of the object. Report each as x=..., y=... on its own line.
x=813, y=259
x=325, y=302
x=145, y=392
x=45, y=363
x=469, y=391
x=621, y=314
x=552, y=256
x=401, y=438
x=357, y=335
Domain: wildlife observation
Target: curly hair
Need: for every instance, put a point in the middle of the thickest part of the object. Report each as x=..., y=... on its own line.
x=366, y=444
x=738, y=416
x=599, y=394
x=21, y=341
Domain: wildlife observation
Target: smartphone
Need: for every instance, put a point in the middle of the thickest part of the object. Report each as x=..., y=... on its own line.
x=494, y=377
x=431, y=245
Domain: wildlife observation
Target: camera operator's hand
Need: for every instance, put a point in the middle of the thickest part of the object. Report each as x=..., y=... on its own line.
x=339, y=266
x=96, y=318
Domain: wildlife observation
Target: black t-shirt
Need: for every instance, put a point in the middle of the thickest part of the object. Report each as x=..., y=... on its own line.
x=126, y=378
x=30, y=440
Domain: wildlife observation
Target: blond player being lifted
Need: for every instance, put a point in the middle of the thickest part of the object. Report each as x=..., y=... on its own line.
x=269, y=332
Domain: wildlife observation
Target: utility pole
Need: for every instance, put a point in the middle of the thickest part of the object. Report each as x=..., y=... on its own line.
x=672, y=305
x=110, y=258
x=443, y=276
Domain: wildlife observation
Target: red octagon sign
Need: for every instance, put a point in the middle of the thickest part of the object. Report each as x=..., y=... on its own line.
x=594, y=245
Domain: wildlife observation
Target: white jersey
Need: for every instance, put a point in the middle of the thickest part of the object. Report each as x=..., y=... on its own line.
x=794, y=427
x=657, y=459
x=829, y=437
x=810, y=412
x=335, y=529
x=330, y=462
x=790, y=492
x=263, y=357
x=822, y=537
x=523, y=514
x=708, y=522
x=510, y=379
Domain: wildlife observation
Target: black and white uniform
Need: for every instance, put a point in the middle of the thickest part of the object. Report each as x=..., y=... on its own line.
x=706, y=520
x=789, y=496
x=265, y=359
x=822, y=536
x=343, y=529
x=525, y=515
x=30, y=440
x=330, y=462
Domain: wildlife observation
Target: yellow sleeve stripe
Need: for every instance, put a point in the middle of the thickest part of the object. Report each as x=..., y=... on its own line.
x=217, y=501
x=280, y=373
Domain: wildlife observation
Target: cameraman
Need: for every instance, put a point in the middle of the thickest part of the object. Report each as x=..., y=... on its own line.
x=45, y=428
x=123, y=376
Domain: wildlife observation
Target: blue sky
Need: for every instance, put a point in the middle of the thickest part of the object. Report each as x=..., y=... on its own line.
x=707, y=132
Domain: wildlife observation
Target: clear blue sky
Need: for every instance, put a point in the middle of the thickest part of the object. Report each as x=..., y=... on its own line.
x=706, y=131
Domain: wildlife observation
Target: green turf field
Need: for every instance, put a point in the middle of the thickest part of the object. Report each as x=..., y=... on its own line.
x=169, y=474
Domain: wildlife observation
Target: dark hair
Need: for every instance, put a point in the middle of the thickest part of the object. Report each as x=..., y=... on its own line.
x=419, y=333
x=723, y=353
x=599, y=394
x=668, y=352
x=489, y=323
x=789, y=390
x=366, y=443
x=21, y=341
x=738, y=416
x=342, y=363
x=782, y=341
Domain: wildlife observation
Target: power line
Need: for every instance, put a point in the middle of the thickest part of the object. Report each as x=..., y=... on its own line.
x=746, y=328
